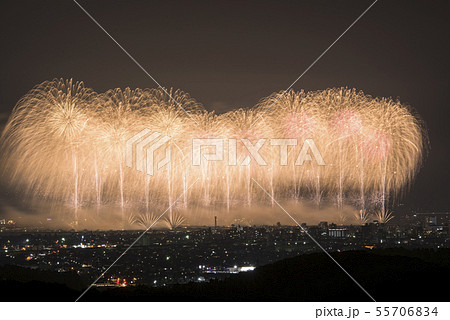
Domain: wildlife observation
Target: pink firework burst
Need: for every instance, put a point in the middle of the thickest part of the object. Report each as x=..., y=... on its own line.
x=346, y=123
x=299, y=125
x=377, y=144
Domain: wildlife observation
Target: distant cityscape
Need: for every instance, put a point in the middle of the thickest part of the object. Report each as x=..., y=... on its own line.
x=197, y=254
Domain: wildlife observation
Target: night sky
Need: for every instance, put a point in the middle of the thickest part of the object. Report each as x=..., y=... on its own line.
x=231, y=54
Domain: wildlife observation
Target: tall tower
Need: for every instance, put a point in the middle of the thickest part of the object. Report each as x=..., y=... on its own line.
x=215, y=222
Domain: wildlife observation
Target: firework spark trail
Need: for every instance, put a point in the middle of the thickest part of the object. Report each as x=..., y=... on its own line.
x=65, y=143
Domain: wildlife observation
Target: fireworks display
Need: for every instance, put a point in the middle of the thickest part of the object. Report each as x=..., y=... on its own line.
x=65, y=143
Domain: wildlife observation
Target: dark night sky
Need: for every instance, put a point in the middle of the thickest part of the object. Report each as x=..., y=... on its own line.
x=230, y=54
